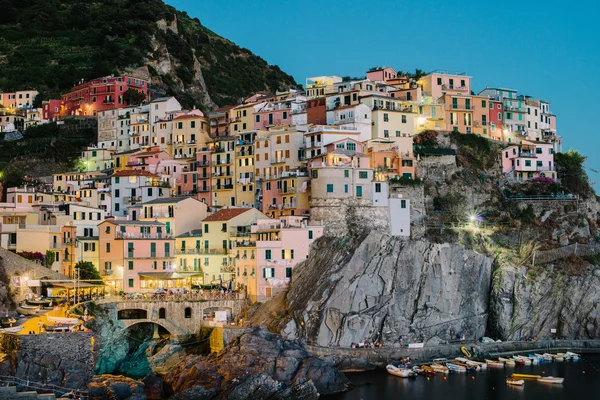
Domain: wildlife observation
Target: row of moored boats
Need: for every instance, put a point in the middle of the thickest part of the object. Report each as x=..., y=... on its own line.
x=462, y=365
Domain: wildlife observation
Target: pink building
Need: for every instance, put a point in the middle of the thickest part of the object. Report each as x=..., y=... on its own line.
x=272, y=114
x=439, y=82
x=529, y=160
x=52, y=109
x=281, y=245
x=381, y=74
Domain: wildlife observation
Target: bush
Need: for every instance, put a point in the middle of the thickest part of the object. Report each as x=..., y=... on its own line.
x=426, y=139
x=572, y=173
x=453, y=205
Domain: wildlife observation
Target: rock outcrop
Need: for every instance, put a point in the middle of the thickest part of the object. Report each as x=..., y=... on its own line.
x=113, y=387
x=532, y=303
x=257, y=365
x=379, y=287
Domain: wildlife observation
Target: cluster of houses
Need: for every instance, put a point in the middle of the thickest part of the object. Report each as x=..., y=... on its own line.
x=175, y=198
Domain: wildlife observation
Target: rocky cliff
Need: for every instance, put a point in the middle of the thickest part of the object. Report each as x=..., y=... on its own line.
x=381, y=287
x=377, y=287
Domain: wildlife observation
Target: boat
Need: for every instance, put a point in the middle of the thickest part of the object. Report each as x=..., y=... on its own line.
x=57, y=328
x=7, y=321
x=526, y=360
x=401, y=372
x=573, y=356
x=455, y=367
x=513, y=382
x=494, y=364
x=423, y=370
x=62, y=320
x=508, y=362
x=467, y=366
x=548, y=357
x=536, y=359
x=39, y=303
x=472, y=363
x=13, y=329
x=27, y=310
x=466, y=352
x=440, y=369
x=525, y=376
x=559, y=358
x=518, y=361
x=551, y=379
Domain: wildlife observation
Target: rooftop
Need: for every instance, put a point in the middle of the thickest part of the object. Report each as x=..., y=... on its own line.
x=134, y=223
x=226, y=214
x=168, y=200
x=134, y=172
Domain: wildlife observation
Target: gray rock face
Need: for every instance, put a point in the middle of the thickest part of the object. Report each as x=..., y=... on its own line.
x=257, y=365
x=112, y=387
x=380, y=287
x=525, y=304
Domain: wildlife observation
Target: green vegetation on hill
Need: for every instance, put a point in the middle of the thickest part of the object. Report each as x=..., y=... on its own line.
x=51, y=44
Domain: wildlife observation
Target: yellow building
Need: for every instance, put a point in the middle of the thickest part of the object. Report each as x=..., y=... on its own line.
x=221, y=232
x=188, y=249
x=189, y=133
x=242, y=118
x=245, y=185
x=222, y=171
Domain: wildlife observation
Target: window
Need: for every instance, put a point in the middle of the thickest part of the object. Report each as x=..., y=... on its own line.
x=258, y=118
x=315, y=173
x=439, y=81
x=404, y=119
x=351, y=146
x=386, y=133
x=385, y=117
x=346, y=173
x=398, y=133
x=468, y=104
x=346, y=188
x=108, y=247
x=205, y=228
x=454, y=102
x=310, y=234
x=378, y=188
x=539, y=163
x=130, y=282
x=117, y=180
x=330, y=188
x=192, y=124
x=188, y=312
x=359, y=191
x=269, y=272
x=483, y=104
x=285, y=115
x=499, y=116
x=363, y=175
x=130, y=265
x=267, y=254
x=162, y=313
x=180, y=125
x=538, y=150
x=288, y=272
x=528, y=163
x=402, y=203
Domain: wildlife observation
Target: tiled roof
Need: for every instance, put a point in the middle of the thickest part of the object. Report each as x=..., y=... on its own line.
x=226, y=214
x=188, y=116
x=168, y=200
x=134, y=172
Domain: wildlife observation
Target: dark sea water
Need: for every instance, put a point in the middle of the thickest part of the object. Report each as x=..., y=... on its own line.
x=582, y=381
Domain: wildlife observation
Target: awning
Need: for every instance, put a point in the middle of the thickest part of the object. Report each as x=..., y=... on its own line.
x=169, y=275
x=80, y=285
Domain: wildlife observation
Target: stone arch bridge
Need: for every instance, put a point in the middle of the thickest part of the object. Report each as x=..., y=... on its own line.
x=179, y=317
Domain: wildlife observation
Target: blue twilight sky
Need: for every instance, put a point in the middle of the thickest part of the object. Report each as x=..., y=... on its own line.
x=547, y=49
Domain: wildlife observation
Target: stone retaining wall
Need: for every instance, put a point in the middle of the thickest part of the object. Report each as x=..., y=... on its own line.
x=370, y=358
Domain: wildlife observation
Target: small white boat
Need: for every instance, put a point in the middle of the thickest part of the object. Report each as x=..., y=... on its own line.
x=494, y=364
x=401, y=372
x=456, y=368
x=548, y=357
x=513, y=382
x=525, y=360
x=472, y=363
x=559, y=358
x=27, y=310
x=507, y=362
x=551, y=379
x=440, y=369
x=63, y=320
x=13, y=329
x=573, y=356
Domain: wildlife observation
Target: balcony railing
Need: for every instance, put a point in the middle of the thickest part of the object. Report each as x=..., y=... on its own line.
x=141, y=236
x=223, y=187
x=202, y=251
x=287, y=190
x=245, y=243
x=454, y=87
x=280, y=160
x=202, y=163
x=149, y=255
x=133, y=199
x=203, y=189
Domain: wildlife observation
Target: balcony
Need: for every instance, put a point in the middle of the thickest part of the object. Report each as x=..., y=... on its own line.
x=287, y=206
x=454, y=87
x=280, y=160
x=287, y=190
x=223, y=162
x=70, y=242
x=313, y=145
x=223, y=173
x=151, y=255
x=223, y=187
x=202, y=251
x=480, y=123
x=143, y=236
x=245, y=243
x=202, y=163
x=133, y=199
x=203, y=189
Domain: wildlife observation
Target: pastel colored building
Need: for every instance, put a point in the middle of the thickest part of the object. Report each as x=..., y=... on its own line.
x=280, y=244
x=87, y=98
x=131, y=187
x=219, y=121
x=438, y=83
x=528, y=160
x=139, y=256
x=52, y=110
x=381, y=74
x=178, y=214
